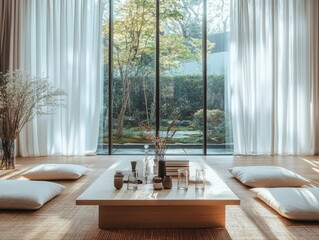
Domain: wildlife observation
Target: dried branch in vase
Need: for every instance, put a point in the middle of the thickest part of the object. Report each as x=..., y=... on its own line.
x=22, y=98
x=160, y=142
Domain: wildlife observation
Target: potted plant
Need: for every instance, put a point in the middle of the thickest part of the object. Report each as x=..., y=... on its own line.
x=22, y=97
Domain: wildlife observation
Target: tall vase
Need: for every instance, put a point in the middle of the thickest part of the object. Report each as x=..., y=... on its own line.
x=146, y=167
x=8, y=154
x=161, y=166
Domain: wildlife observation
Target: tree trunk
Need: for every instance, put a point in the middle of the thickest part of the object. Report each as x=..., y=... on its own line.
x=146, y=102
x=120, y=120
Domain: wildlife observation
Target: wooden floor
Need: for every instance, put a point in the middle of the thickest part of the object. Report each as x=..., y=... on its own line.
x=62, y=219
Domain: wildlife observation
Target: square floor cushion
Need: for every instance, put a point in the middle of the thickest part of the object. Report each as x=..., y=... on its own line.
x=55, y=172
x=268, y=176
x=292, y=203
x=21, y=194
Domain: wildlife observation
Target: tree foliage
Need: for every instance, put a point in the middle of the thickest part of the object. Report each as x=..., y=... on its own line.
x=181, y=94
x=216, y=124
x=134, y=44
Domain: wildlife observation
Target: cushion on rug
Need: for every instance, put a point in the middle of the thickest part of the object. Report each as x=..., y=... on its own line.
x=292, y=203
x=20, y=194
x=55, y=171
x=268, y=176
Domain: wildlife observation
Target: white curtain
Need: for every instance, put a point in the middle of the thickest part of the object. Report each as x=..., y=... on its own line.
x=9, y=30
x=61, y=40
x=274, y=76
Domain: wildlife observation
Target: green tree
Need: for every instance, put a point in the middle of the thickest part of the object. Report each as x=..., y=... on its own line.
x=134, y=45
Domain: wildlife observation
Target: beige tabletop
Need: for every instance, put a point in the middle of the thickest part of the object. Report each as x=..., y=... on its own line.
x=102, y=191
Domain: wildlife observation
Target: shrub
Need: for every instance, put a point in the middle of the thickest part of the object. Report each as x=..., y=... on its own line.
x=180, y=95
x=216, y=122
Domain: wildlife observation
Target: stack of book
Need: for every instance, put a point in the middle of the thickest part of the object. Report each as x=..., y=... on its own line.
x=173, y=165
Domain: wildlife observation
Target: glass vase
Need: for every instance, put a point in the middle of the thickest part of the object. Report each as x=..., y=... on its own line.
x=8, y=153
x=161, y=166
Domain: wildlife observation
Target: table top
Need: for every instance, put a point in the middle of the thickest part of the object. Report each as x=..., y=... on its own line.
x=102, y=191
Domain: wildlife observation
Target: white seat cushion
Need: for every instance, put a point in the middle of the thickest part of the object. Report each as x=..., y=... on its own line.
x=20, y=194
x=292, y=203
x=55, y=171
x=268, y=176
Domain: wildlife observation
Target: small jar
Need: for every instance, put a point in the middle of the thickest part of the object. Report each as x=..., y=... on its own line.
x=118, y=179
x=167, y=182
x=157, y=183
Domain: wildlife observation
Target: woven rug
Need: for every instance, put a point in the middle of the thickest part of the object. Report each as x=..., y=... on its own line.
x=253, y=219
x=61, y=218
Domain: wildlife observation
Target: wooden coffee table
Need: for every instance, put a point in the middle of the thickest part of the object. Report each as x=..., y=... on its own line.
x=148, y=208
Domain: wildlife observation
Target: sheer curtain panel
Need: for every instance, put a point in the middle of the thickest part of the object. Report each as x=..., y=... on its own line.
x=8, y=35
x=61, y=40
x=274, y=89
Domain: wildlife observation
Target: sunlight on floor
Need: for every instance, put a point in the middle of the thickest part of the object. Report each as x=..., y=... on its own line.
x=254, y=222
x=310, y=162
x=52, y=228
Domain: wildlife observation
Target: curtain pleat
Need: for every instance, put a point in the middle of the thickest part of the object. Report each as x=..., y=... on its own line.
x=314, y=69
x=9, y=35
x=62, y=40
x=273, y=43
x=5, y=26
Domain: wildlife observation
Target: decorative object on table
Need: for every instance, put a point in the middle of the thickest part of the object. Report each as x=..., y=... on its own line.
x=147, y=168
x=161, y=168
x=157, y=183
x=118, y=179
x=133, y=165
x=167, y=182
x=132, y=180
x=155, y=166
x=22, y=98
x=200, y=179
x=173, y=165
x=182, y=182
x=160, y=147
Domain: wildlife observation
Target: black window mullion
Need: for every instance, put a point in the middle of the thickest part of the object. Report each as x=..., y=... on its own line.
x=157, y=69
x=110, y=115
x=204, y=56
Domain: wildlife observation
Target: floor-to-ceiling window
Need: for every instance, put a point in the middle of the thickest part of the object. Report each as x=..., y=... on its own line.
x=133, y=71
x=181, y=72
x=219, y=133
x=165, y=60
x=103, y=140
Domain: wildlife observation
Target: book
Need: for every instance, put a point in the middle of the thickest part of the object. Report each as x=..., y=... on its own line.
x=175, y=168
x=182, y=162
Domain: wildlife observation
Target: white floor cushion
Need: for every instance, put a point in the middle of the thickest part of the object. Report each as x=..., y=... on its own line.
x=292, y=203
x=21, y=194
x=268, y=176
x=55, y=172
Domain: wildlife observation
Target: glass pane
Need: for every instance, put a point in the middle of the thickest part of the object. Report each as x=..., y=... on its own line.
x=133, y=74
x=181, y=86
x=219, y=136
x=103, y=132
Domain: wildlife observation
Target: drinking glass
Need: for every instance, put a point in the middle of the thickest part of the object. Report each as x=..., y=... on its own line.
x=200, y=179
x=182, y=183
x=132, y=180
